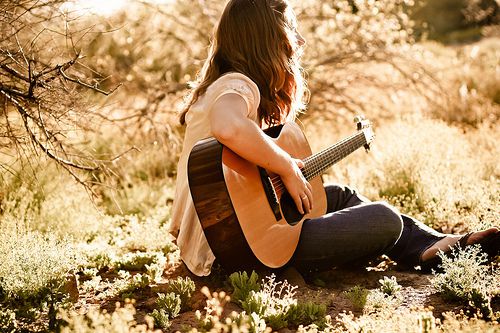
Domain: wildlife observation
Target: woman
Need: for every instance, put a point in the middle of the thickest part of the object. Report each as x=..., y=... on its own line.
x=252, y=80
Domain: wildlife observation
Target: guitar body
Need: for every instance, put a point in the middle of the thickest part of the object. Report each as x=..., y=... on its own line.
x=246, y=219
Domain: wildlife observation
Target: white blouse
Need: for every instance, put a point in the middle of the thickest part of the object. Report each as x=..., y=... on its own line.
x=194, y=248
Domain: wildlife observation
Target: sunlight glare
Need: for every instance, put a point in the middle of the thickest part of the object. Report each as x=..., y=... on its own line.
x=104, y=8
x=99, y=7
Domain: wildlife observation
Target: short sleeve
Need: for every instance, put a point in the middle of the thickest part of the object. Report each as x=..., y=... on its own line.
x=239, y=84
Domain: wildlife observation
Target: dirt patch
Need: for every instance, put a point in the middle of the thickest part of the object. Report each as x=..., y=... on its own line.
x=322, y=288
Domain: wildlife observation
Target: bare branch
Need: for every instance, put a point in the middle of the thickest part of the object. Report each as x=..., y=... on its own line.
x=25, y=115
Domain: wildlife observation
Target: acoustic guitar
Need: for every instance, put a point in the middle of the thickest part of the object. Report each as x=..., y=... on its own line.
x=246, y=213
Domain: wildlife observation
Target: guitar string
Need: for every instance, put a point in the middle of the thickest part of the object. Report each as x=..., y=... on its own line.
x=311, y=159
x=315, y=164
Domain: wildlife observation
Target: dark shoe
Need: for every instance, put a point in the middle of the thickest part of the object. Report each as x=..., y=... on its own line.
x=490, y=245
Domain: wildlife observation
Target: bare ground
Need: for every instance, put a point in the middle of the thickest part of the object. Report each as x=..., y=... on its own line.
x=325, y=287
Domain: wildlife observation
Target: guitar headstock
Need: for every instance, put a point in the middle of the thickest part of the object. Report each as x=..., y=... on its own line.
x=365, y=126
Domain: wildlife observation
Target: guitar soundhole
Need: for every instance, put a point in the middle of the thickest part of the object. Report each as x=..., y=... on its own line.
x=289, y=210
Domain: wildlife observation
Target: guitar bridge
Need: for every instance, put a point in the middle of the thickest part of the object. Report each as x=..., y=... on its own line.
x=272, y=197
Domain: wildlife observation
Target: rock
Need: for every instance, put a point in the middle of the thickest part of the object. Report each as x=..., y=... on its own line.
x=293, y=276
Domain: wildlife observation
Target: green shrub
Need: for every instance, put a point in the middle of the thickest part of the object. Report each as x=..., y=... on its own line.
x=8, y=321
x=168, y=307
x=90, y=273
x=242, y=285
x=184, y=287
x=143, y=234
x=306, y=314
x=377, y=301
x=161, y=318
x=272, y=302
x=155, y=270
x=212, y=321
x=100, y=260
x=467, y=279
x=357, y=295
x=138, y=281
x=121, y=320
x=138, y=261
x=169, y=302
x=33, y=265
x=389, y=286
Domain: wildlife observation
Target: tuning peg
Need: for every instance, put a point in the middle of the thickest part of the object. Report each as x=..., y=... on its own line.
x=359, y=118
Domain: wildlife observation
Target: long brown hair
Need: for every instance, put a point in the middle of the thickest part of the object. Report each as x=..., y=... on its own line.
x=257, y=38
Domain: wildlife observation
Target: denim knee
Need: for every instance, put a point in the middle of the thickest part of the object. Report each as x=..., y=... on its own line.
x=392, y=222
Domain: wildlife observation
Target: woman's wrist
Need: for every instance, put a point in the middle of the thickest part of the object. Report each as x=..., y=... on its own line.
x=289, y=168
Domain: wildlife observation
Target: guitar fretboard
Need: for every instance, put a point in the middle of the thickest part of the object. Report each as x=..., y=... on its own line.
x=316, y=164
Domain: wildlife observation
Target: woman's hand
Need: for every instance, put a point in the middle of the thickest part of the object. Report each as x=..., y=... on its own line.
x=299, y=188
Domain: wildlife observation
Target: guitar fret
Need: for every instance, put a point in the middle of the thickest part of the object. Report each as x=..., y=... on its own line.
x=316, y=164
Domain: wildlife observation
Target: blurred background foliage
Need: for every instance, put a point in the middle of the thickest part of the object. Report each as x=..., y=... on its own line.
x=425, y=72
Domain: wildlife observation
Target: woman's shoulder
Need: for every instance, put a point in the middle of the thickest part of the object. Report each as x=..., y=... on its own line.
x=235, y=82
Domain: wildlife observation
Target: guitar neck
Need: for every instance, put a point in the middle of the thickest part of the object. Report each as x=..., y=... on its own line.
x=316, y=164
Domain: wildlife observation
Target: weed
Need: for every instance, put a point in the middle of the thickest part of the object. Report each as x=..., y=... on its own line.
x=306, y=314
x=155, y=270
x=90, y=272
x=213, y=310
x=95, y=320
x=170, y=303
x=8, y=321
x=272, y=302
x=161, y=318
x=389, y=286
x=33, y=265
x=138, y=281
x=212, y=322
x=376, y=300
x=243, y=284
x=144, y=234
x=139, y=260
x=184, y=287
x=465, y=278
x=357, y=295
x=100, y=260
x=92, y=284
x=168, y=307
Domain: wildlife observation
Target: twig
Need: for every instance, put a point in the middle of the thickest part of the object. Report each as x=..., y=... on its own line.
x=25, y=115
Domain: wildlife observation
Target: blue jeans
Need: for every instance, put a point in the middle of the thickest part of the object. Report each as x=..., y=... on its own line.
x=355, y=229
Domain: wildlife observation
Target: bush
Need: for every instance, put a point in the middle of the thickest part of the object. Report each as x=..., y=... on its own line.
x=184, y=288
x=139, y=261
x=306, y=314
x=272, y=302
x=127, y=286
x=168, y=307
x=358, y=296
x=170, y=302
x=242, y=285
x=378, y=301
x=389, y=286
x=440, y=185
x=120, y=321
x=161, y=318
x=33, y=265
x=7, y=321
x=467, y=279
x=144, y=234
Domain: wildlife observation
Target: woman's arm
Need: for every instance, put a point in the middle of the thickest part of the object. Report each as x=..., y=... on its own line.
x=234, y=129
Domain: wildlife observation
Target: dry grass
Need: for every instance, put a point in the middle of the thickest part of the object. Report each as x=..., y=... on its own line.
x=438, y=164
